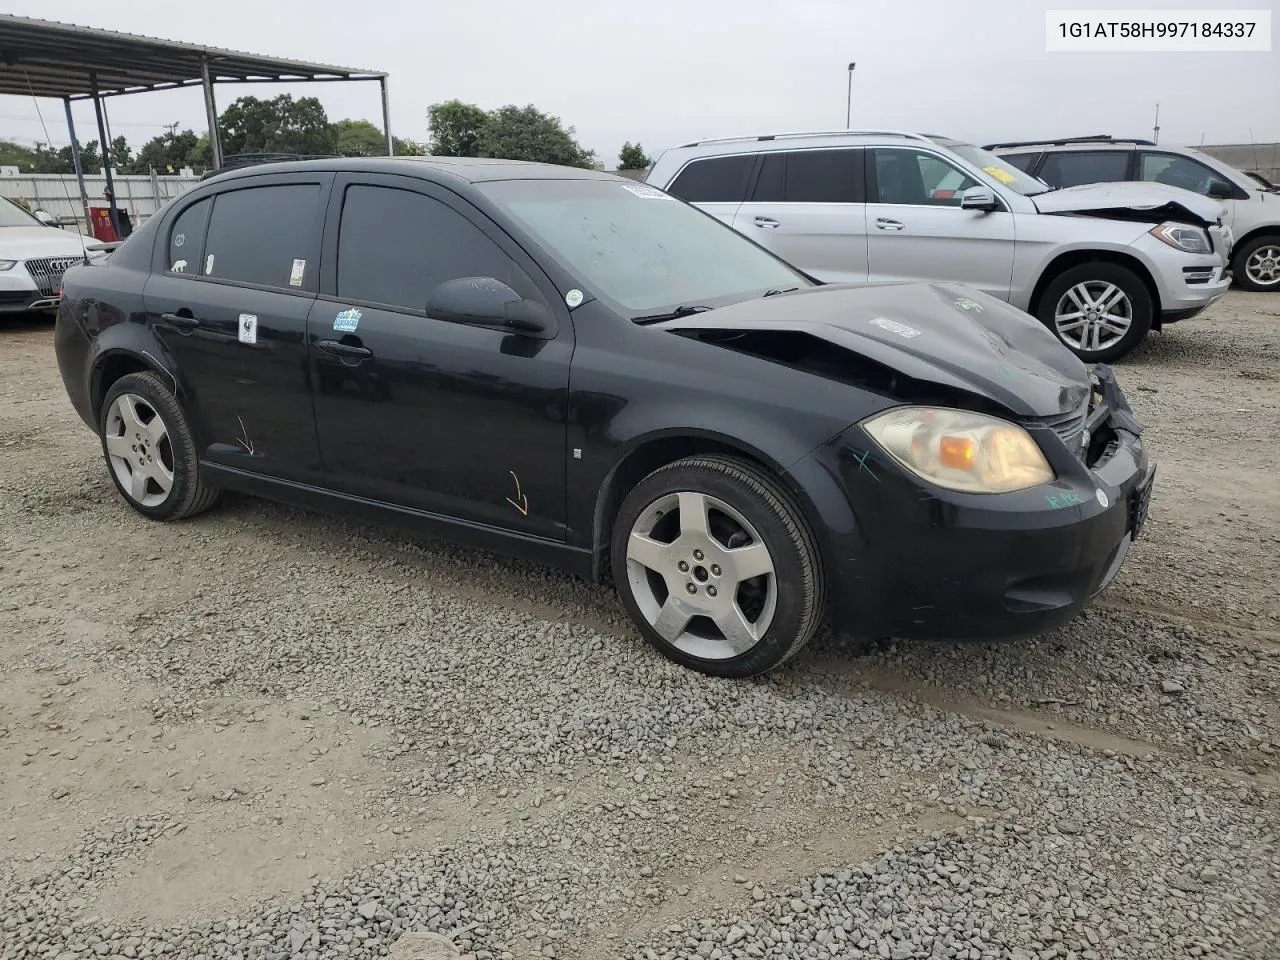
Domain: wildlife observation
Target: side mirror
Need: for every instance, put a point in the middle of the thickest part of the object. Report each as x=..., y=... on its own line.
x=1220, y=190
x=486, y=300
x=979, y=198
x=45, y=217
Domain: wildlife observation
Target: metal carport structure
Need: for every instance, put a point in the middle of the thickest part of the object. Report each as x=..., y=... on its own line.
x=63, y=61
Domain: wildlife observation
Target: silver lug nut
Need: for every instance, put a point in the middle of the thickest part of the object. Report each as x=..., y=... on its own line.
x=697, y=554
x=684, y=567
x=691, y=588
x=715, y=570
x=711, y=591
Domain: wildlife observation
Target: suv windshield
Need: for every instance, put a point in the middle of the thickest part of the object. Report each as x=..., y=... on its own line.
x=639, y=247
x=999, y=168
x=12, y=215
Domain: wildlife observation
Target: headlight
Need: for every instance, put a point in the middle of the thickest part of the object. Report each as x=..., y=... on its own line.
x=961, y=450
x=8, y=264
x=1190, y=239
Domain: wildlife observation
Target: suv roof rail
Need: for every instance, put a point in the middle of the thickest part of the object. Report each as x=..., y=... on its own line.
x=1063, y=141
x=808, y=133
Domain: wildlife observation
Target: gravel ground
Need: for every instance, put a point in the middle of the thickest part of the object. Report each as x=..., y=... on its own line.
x=264, y=733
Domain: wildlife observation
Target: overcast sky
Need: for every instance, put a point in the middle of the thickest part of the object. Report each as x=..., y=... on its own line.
x=665, y=71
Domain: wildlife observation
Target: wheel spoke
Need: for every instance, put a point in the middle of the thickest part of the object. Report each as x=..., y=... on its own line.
x=750, y=561
x=1080, y=297
x=693, y=514
x=119, y=447
x=649, y=552
x=162, y=475
x=1110, y=297
x=1071, y=325
x=672, y=619
x=1115, y=324
x=1071, y=316
x=740, y=634
x=155, y=430
x=129, y=414
x=137, y=483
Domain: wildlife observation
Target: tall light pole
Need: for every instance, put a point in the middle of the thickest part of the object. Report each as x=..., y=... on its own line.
x=848, y=103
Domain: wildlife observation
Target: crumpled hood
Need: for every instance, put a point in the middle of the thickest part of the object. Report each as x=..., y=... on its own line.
x=939, y=333
x=1170, y=202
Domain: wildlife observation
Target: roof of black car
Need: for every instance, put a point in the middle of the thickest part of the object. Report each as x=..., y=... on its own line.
x=470, y=169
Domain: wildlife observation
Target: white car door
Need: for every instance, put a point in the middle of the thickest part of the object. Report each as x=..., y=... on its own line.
x=806, y=206
x=917, y=231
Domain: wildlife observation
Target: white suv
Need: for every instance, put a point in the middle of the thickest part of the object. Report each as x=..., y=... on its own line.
x=1099, y=265
x=1252, y=205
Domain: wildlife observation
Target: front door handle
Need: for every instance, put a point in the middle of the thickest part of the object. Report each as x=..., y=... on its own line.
x=183, y=321
x=766, y=222
x=344, y=349
x=884, y=223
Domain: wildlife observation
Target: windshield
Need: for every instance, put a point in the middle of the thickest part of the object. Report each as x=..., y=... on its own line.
x=12, y=215
x=638, y=246
x=999, y=169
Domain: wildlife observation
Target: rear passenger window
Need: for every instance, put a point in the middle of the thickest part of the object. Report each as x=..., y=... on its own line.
x=715, y=179
x=264, y=235
x=1072, y=168
x=186, y=239
x=810, y=176
x=396, y=246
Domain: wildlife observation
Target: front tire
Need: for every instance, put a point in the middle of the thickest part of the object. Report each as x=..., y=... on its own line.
x=1099, y=311
x=149, y=450
x=717, y=566
x=1256, y=265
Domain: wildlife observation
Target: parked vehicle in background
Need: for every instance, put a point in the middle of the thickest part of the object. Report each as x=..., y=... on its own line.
x=1250, y=201
x=34, y=253
x=1098, y=266
x=574, y=367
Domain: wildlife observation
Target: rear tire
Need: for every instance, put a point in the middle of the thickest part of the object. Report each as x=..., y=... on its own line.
x=149, y=450
x=717, y=566
x=1099, y=311
x=1256, y=265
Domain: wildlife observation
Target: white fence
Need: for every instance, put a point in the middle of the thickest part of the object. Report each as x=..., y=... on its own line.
x=59, y=194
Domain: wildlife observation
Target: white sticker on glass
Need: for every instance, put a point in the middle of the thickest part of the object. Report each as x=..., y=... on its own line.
x=646, y=191
x=295, y=275
x=179, y=266
x=573, y=298
x=208, y=265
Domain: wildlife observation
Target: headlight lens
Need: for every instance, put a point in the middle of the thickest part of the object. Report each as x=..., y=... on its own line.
x=961, y=450
x=1190, y=239
x=8, y=264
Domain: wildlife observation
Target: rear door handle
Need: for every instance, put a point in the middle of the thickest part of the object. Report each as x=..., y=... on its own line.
x=884, y=223
x=183, y=321
x=344, y=349
x=766, y=222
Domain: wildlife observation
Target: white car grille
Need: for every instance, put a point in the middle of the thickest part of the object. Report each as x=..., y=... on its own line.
x=47, y=272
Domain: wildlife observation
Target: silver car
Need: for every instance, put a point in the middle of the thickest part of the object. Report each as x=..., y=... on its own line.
x=1100, y=265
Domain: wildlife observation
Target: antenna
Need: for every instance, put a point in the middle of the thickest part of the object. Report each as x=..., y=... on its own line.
x=1156, y=131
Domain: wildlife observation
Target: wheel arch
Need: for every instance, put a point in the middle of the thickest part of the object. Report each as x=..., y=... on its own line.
x=110, y=365
x=648, y=453
x=1074, y=258
x=1257, y=233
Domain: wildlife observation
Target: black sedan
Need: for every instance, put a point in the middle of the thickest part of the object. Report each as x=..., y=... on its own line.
x=572, y=367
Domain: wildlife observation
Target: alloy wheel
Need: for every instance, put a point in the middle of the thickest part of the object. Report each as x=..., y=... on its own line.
x=139, y=450
x=701, y=575
x=1263, y=265
x=1093, y=315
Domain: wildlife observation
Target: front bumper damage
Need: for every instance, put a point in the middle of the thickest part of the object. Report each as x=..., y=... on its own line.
x=920, y=561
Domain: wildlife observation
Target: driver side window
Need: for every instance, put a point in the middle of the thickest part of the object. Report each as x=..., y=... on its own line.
x=918, y=178
x=1177, y=171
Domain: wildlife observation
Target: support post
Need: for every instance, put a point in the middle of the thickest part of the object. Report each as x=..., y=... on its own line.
x=211, y=112
x=848, y=102
x=106, y=153
x=386, y=117
x=75, y=161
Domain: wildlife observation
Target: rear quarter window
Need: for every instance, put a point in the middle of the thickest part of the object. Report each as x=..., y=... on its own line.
x=186, y=238
x=714, y=179
x=1071, y=168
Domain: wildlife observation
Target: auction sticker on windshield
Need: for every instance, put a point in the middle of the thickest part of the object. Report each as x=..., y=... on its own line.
x=646, y=191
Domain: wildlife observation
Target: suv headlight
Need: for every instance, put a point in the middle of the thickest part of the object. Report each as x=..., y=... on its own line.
x=7, y=264
x=1189, y=239
x=961, y=450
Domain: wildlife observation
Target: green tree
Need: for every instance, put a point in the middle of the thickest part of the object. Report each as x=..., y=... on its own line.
x=281, y=125
x=408, y=148
x=455, y=128
x=16, y=155
x=632, y=157
x=170, y=152
x=526, y=133
x=121, y=154
x=360, y=138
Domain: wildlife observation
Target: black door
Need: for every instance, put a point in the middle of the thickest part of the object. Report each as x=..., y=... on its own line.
x=230, y=304
x=450, y=418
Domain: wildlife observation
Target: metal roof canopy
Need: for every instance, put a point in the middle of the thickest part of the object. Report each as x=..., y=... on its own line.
x=61, y=60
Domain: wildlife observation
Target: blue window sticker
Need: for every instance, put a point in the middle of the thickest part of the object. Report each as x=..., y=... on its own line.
x=347, y=320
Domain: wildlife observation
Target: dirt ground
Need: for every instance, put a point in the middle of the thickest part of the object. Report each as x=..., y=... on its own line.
x=222, y=724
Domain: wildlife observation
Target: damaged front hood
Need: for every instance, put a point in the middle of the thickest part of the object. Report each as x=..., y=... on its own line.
x=1160, y=200
x=943, y=334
